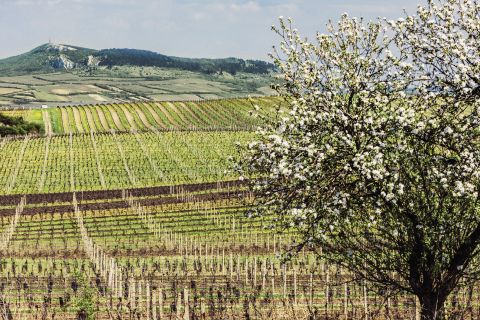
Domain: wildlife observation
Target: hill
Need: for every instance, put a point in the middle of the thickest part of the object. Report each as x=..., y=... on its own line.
x=49, y=58
x=56, y=74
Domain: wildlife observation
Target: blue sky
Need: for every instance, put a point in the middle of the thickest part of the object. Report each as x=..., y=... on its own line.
x=190, y=28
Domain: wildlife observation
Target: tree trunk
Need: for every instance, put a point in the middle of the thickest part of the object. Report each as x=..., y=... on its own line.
x=432, y=307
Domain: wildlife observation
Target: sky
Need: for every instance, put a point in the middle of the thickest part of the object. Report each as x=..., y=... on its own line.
x=186, y=28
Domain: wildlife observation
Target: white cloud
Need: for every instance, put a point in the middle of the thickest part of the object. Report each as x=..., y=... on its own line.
x=250, y=6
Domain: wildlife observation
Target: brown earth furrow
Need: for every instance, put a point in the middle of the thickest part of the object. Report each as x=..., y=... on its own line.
x=209, y=119
x=213, y=109
x=91, y=123
x=41, y=198
x=191, y=113
x=174, y=108
x=102, y=118
x=144, y=252
x=129, y=116
x=142, y=117
x=78, y=120
x=120, y=204
x=116, y=118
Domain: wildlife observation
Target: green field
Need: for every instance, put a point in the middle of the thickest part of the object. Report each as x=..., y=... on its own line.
x=96, y=161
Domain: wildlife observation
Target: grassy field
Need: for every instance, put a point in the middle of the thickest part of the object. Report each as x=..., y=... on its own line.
x=128, y=83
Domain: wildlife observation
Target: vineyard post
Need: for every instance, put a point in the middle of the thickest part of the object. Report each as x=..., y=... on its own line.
x=417, y=308
x=389, y=302
x=147, y=292
x=273, y=282
x=311, y=288
x=133, y=293
x=140, y=296
x=223, y=262
x=179, y=303
x=264, y=273
x=365, y=299
x=345, y=301
x=246, y=272
x=160, y=303
x=255, y=272
x=154, y=306
x=327, y=290
x=186, y=315
x=295, y=286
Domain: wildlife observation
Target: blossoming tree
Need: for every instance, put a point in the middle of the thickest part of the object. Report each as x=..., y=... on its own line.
x=376, y=158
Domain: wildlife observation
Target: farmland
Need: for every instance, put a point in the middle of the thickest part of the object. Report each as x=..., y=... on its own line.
x=77, y=163
x=229, y=114
x=132, y=211
x=168, y=252
x=128, y=83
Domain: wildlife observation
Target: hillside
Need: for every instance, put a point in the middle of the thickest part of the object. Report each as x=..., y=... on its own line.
x=50, y=58
x=59, y=74
x=46, y=58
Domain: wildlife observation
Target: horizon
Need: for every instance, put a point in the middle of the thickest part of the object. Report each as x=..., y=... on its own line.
x=185, y=28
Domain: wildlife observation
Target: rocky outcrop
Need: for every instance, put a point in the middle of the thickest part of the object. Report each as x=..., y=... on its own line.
x=61, y=62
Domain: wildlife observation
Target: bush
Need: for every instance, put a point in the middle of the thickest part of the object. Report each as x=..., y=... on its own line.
x=18, y=126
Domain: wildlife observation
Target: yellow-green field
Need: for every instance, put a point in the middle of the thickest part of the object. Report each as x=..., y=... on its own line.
x=221, y=114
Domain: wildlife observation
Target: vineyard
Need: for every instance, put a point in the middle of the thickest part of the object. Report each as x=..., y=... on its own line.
x=233, y=114
x=131, y=211
x=184, y=251
x=94, y=161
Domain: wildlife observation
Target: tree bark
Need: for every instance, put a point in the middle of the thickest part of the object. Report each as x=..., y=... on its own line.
x=431, y=306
